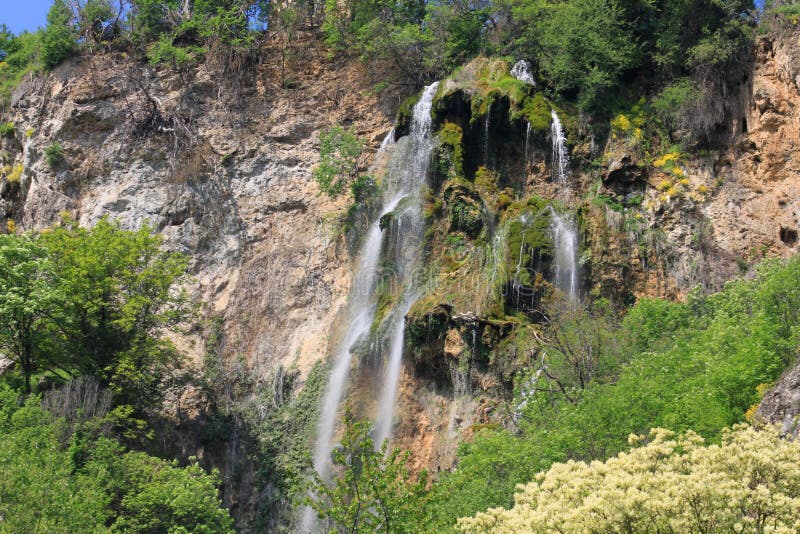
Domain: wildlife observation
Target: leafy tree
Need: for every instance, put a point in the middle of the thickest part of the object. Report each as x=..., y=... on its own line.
x=29, y=302
x=748, y=483
x=118, y=288
x=340, y=151
x=375, y=491
x=39, y=492
x=59, y=37
x=583, y=46
x=76, y=301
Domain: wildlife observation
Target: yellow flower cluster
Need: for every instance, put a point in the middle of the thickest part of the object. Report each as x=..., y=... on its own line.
x=748, y=483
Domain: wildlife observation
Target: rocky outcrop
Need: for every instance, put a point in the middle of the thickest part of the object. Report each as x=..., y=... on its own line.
x=781, y=406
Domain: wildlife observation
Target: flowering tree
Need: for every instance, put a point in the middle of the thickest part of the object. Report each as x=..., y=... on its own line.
x=748, y=483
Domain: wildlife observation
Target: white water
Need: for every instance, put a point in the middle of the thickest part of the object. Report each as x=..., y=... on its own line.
x=527, y=139
x=406, y=170
x=565, y=236
x=360, y=311
x=522, y=71
x=486, y=135
x=560, y=153
x=565, y=240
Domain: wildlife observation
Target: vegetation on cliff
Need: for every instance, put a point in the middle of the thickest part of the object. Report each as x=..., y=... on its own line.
x=83, y=314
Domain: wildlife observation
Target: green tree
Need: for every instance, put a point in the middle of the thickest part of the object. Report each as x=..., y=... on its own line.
x=39, y=489
x=90, y=484
x=29, y=305
x=339, y=152
x=375, y=491
x=59, y=37
x=119, y=295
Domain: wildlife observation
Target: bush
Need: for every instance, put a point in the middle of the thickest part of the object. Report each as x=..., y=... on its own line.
x=748, y=483
x=54, y=155
x=340, y=151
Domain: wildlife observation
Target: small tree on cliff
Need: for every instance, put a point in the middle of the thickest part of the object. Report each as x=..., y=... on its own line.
x=339, y=153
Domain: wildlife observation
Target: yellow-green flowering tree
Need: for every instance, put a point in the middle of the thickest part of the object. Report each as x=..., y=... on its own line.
x=750, y=482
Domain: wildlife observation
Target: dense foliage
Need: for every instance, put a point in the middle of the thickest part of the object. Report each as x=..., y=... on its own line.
x=748, y=483
x=593, y=51
x=90, y=302
x=697, y=365
x=54, y=478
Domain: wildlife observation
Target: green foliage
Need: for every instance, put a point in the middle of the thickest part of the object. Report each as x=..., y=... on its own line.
x=584, y=45
x=374, y=491
x=94, y=485
x=20, y=55
x=91, y=301
x=59, y=37
x=163, y=51
x=339, y=152
x=54, y=155
x=7, y=129
x=694, y=365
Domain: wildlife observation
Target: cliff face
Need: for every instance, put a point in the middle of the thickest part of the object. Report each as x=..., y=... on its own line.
x=223, y=171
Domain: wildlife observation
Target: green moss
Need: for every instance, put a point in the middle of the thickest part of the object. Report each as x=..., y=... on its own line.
x=451, y=136
x=7, y=129
x=536, y=111
x=405, y=114
x=528, y=241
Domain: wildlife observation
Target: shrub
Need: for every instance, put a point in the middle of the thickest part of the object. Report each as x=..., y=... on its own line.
x=340, y=151
x=13, y=177
x=54, y=155
x=7, y=129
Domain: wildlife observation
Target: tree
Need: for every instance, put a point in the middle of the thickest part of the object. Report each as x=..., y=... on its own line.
x=119, y=294
x=94, y=485
x=59, y=37
x=29, y=304
x=339, y=152
x=748, y=483
x=375, y=491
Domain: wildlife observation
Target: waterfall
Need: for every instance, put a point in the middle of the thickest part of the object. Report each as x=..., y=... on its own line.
x=565, y=241
x=527, y=139
x=560, y=154
x=522, y=71
x=486, y=135
x=406, y=171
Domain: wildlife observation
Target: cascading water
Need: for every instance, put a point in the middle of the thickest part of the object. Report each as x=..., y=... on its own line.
x=486, y=135
x=565, y=236
x=522, y=71
x=406, y=170
x=560, y=154
x=565, y=240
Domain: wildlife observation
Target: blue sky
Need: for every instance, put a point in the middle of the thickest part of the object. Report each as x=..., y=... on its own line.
x=21, y=15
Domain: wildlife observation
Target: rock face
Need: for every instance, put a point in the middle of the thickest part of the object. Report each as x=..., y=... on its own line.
x=781, y=406
x=226, y=180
